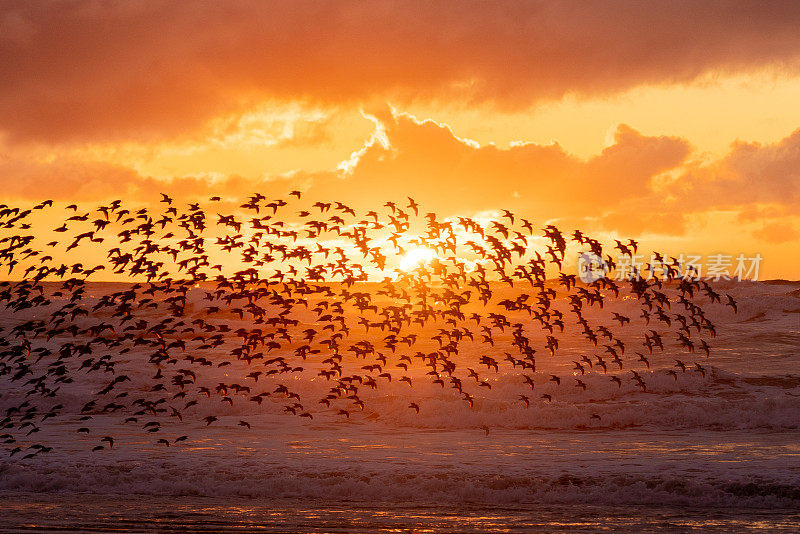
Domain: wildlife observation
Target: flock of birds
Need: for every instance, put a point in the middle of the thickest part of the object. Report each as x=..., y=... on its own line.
x=292, y=292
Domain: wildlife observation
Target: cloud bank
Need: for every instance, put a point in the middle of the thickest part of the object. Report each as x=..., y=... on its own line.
x=78, y=71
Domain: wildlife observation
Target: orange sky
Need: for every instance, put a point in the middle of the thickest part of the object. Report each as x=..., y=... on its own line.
x=678, y=125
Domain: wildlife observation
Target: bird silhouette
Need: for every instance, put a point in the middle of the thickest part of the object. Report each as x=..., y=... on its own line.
x=310, y=290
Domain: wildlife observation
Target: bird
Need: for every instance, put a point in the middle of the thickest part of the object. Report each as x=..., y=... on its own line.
x=240, y=306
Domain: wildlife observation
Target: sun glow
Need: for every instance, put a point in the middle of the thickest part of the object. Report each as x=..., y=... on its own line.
x=415, y=257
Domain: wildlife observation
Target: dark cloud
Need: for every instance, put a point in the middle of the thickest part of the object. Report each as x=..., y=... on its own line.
x=88, y=70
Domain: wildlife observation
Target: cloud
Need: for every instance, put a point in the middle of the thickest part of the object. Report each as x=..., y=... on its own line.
x=638, y=184
x=425, y=160
x=751, y=175
x=73, y=180
x=63, y=179
x=119, y=70
x=777, y=233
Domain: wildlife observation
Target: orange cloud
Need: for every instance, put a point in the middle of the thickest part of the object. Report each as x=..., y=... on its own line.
x=147, y=69
x=620, y=189
x=72, y=180
x=637, y=186
x=777, y=233
x=751, y=174
x=451, y=175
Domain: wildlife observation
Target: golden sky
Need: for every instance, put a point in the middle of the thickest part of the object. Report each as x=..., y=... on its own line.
x=677, y=123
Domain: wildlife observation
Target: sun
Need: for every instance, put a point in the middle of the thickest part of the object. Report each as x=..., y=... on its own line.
x=414, y=257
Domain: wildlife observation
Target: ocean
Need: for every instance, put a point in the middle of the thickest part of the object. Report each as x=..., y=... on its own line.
x=717, y=450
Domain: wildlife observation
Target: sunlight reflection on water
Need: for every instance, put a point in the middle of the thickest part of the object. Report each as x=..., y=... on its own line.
x=37, y=514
